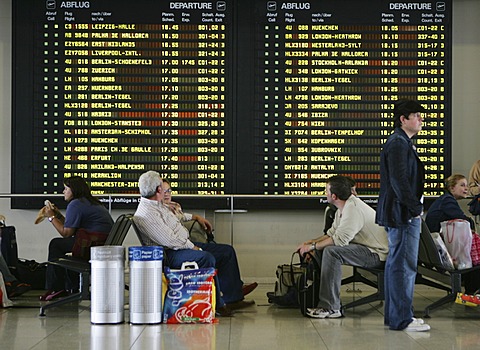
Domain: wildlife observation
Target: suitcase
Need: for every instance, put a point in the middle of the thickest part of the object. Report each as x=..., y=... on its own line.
x=8, y=245
x=308, y=285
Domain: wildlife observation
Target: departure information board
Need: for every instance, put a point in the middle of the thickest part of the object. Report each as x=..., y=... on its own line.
x=224, y=97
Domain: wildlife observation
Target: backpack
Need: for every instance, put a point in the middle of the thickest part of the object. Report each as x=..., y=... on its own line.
x=474, y=205
x=286, y=289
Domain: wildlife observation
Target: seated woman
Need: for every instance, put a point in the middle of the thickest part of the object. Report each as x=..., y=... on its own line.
x=446, y=208
x=186, y=219
x=84, y=214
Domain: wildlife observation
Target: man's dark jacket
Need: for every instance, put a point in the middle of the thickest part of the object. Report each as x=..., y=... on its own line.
x=401, y=181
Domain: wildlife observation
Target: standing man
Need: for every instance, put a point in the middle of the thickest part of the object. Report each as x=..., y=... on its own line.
x=399, y=209
x=354, y=239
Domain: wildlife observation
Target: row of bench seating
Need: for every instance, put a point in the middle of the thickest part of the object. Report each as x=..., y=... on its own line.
x=117, y=235
x=431, y=271
x=83, y=268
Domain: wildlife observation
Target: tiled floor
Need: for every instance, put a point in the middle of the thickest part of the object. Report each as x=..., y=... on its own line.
x=260, y=327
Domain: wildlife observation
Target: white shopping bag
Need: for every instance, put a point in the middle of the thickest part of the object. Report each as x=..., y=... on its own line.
x=457, y=236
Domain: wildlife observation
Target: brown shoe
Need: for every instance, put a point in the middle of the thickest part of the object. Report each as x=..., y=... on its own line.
x=242, y=304
x=248, y=288
x=224, y=311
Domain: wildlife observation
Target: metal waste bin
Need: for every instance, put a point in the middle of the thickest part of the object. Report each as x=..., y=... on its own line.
x=145, y=284
x=108, y=284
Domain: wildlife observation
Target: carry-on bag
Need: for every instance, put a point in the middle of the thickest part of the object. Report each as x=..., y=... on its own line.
x=308, y=284
x=8, y=245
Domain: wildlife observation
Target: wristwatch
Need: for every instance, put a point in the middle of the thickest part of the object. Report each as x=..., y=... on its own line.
x=313, y=246
x=50, y=218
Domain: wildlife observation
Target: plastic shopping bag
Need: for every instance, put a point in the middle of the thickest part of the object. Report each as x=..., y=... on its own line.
x=457, y=236
x=4, y=301
x=190, y=296
x=443, y=251
x=475, y=252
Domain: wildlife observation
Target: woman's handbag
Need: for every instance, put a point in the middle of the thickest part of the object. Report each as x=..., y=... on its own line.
x=196, y=233
x=457, y=236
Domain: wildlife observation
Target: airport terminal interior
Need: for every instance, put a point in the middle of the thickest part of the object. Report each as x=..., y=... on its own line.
x=263, y=236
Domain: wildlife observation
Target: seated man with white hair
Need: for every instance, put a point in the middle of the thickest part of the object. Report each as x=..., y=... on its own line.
x=158, y=225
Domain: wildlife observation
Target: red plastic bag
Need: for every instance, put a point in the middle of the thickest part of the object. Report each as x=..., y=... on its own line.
x=475, y=252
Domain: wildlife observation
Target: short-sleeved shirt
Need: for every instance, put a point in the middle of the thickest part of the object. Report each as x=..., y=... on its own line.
x=83, y=214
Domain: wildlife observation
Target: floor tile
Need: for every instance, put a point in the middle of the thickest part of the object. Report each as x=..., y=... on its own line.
x=263, y=326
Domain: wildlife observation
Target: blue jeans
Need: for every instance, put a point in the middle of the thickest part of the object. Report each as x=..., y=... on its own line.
x=400, y=273
x=333, y=257
x=228, y=283
x=7, y=274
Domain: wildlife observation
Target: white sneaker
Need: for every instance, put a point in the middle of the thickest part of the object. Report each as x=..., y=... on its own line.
x=322, y=313
x=418, y=320
x=416, y=326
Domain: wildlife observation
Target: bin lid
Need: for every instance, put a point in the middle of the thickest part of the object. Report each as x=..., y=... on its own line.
x=107, y=253
x=145, y=253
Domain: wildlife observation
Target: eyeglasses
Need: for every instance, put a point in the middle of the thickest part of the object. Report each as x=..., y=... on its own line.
x=168, y=191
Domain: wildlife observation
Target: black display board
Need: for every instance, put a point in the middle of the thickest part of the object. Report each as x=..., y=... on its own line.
x=224, y=97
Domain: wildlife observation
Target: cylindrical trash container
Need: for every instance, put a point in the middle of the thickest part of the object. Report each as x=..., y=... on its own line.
x=108, y=284
x=145, y=284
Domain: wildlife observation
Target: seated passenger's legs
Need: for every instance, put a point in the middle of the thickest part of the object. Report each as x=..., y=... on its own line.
x=175, y=259
x=331, y=272
x=228, y=270
x=58, y=247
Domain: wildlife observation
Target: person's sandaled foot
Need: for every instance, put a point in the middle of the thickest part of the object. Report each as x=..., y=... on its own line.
x=16, y=288
x=52, y=294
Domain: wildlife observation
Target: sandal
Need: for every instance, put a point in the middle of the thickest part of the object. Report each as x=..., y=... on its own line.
x=15, y=288
x=51, y=294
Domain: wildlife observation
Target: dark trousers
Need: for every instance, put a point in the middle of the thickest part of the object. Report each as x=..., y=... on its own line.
x=220, y=256
x=57, y=278
x=472, y=282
